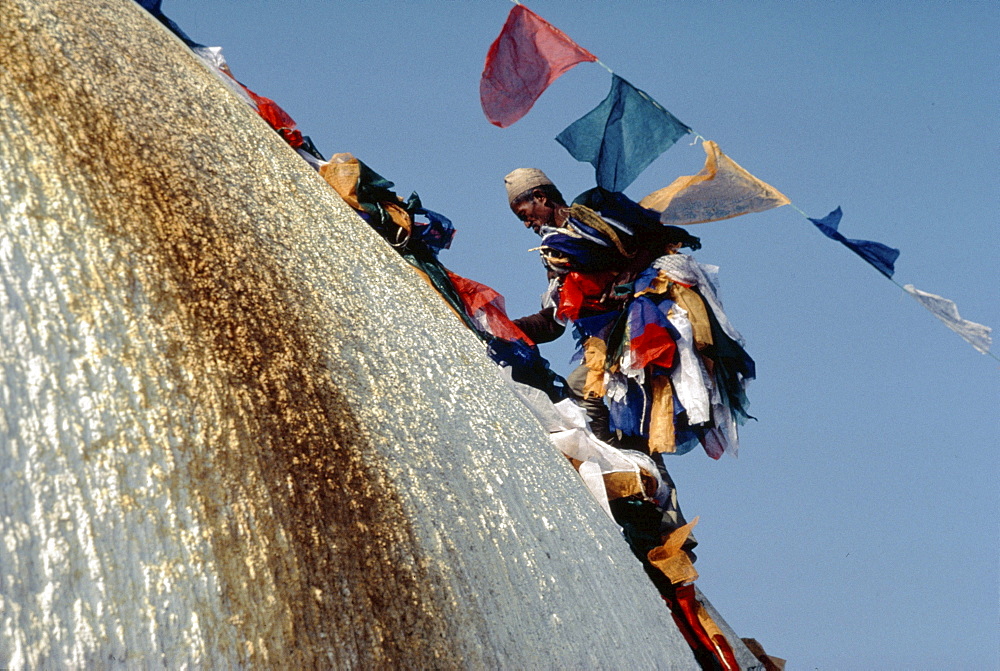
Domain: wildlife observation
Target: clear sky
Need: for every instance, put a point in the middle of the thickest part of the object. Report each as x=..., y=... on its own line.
x=858, y=529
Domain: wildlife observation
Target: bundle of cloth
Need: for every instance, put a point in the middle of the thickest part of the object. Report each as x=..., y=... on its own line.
x=419, y=234
x=654, y=343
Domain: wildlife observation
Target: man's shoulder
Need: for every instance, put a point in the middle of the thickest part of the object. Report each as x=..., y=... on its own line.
x=585, y=215
x=640, y=227
x=617, y=206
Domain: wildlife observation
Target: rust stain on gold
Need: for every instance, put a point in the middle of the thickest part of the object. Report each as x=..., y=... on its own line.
x=214, y=451
x=303, y=524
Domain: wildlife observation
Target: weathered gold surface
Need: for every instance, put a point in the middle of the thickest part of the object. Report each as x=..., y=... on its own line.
x=235, y=429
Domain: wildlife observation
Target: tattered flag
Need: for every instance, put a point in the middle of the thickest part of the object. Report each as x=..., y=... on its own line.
x=882, y=257
x=975, y=334
x=526, y=57
x=622, y=135
x=721, y=190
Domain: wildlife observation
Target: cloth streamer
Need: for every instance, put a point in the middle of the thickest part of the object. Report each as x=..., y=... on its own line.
x=650, y=340
x=622, y=135
x=566, y=423
x=720, y=191
x=526, y=57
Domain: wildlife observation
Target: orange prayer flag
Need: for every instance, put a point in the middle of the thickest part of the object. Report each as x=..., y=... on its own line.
x=721, y=190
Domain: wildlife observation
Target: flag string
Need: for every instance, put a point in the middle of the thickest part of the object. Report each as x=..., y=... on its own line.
x=601, y=63
x=879, y=256
x=578, y=141
x=912, y=295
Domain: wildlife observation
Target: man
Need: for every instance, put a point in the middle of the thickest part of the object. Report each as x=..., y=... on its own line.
x=588, y=252
x=634, y=303
x=587, y=258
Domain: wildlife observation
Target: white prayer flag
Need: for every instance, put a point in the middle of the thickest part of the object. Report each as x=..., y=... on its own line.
x=975, y=334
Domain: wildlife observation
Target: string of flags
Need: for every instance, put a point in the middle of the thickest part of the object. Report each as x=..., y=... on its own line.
x=628, y=130
x=723, y=189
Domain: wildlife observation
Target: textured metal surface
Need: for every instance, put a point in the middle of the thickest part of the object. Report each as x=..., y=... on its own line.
x=235, y=429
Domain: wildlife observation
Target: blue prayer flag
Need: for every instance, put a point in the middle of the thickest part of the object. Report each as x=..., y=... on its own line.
x=622, y=135
x=882, y=257
x=437, y=233
x=630, y=415
x=154, y=8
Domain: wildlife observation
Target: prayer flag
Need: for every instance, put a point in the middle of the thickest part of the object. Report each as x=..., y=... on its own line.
x=721, y=190
x=650, y=338
x=437, y=233
x=622, y=135
x=671, y=559
x=627, y=408
x=153, y=7
x=975, y=334
x=485, y=306
x=527, y=56
x=277, y=118
x=882, y=257
x=582, y=291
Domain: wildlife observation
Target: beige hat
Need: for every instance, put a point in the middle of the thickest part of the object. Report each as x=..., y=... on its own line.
x=523, y=179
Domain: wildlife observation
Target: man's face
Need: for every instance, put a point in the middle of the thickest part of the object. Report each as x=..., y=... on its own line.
x=535, y=213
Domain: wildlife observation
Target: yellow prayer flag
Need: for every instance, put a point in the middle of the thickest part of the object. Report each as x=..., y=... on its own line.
x=671, y=560
x=342, y=173
x=595, y=352
x=662, y=437
x=620, y=484
x=721, y=190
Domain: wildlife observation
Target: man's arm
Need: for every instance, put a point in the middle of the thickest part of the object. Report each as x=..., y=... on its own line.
x=541, y=326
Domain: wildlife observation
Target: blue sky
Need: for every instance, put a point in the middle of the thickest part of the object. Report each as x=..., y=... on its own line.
x=859, y=526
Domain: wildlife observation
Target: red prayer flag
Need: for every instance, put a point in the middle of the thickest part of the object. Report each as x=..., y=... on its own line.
x=582, y=292
x=486, y=307
x=277, y=118
x=527, y=56
x=269, y=111
x=655, y=345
